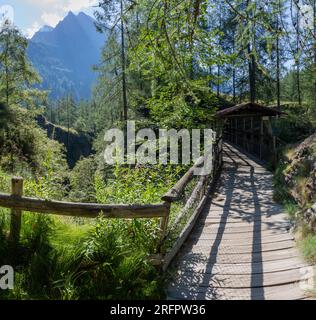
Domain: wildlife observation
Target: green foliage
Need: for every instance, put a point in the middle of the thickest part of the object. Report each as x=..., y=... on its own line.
x=186, y=108
x=82, y=180
x=296, y=125
x=280, y=190
x=111, y=265
x=282, y=193
x=16, y=74
x=175, y=53
x=63, y=112
x=141, y=185
x=167, y=71
x=308, y=247
x=25, y=148
x=65, y=259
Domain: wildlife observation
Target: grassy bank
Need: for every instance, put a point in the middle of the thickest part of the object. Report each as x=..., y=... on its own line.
x=74, y=258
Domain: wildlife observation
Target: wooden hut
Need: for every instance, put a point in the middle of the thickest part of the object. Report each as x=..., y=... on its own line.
x=249, y=126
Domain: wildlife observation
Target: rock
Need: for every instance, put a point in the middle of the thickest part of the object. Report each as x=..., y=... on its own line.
x=77, y=144
x=310, y=217
x=301, y=166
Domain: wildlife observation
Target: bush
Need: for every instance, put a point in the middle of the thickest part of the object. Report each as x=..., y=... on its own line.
x=82, y=181
x=25, y=148
x=66, y=258
x=295, y=126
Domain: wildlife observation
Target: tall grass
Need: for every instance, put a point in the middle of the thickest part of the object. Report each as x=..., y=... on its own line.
x=67, y=258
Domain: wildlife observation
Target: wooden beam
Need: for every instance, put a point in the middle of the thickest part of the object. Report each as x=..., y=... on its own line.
x=85, y=210
x=261, y=137
x=163, y=227
x=175, y=192
x=197, y=192
x=16, y=213
x=251, y=137
x=189, y=226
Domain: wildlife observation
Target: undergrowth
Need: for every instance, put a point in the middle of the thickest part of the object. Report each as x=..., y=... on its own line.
x=75, y=258
x=306, y=239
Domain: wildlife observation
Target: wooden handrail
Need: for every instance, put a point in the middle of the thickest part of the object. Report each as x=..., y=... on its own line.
x=19, y=203
x=175, y=192
x=85, y=210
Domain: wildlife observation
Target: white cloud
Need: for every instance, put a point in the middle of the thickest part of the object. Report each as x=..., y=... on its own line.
x=62, y=5
x=56, y=9
x=6, y=13
x=34, y=28
x=53, y=11
x=77, y=5
x=42, y=3
x=51, y=19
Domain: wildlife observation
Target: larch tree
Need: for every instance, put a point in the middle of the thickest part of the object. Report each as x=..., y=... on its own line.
x=17, y=76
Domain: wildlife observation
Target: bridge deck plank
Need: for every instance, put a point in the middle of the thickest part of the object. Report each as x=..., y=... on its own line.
x=241, y=247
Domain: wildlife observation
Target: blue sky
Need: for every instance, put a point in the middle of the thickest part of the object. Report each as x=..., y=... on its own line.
x=30, y=15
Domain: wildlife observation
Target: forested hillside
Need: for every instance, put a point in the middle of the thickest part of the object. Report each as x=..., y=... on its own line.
x=65, y=56
x=166, y=64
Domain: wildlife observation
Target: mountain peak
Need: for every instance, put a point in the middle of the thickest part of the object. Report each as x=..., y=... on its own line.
x=82, y=14
x=65, y=55
x=70, y=14
x=46, y=29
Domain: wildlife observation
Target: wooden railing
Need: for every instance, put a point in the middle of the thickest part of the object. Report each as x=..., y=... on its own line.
x=262, y=146
x=199, y=195
x=19, y=203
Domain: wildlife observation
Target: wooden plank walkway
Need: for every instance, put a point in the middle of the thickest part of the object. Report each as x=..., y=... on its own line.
x=241, y=247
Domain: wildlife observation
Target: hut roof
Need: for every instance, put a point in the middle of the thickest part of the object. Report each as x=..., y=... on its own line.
x=248, y=108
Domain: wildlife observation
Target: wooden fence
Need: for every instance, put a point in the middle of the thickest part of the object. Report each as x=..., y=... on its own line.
x=19, y=203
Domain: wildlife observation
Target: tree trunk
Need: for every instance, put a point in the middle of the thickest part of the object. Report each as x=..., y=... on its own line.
x=234, y=73
x=218, y=80
x=314, y=11
x=7, y=81
x=124, y=87
x=234, y=85
x=278, y=67
x=252, y=75
x=252, y=59
x=298, y=77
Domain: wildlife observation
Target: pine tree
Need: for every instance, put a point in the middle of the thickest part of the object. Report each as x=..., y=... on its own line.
x=16, y=73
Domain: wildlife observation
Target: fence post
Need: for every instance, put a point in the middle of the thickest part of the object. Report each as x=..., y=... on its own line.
x=163, y=226
x=16, y=215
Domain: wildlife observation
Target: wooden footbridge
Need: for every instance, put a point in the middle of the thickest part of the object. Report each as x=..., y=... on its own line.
x=229, y=240
x=240, y=247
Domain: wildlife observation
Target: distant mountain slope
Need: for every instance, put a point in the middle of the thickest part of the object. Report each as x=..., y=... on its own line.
x=64, y=55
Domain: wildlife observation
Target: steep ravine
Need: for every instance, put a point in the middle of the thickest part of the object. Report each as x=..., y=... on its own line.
x=77, y=144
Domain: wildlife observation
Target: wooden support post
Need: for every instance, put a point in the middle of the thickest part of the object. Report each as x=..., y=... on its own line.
x=16, y=215
x=236, y=132
x=275, y=154
x=261, y=138
x=244, y=135
x=163, y=227
x=252, y=148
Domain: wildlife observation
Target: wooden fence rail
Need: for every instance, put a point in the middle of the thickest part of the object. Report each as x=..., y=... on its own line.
x=199, y=194
x=19, y=203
